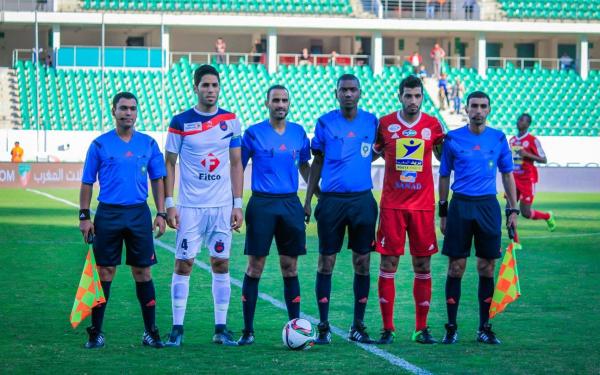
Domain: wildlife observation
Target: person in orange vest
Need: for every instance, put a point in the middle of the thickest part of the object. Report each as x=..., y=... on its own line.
x=16, y=154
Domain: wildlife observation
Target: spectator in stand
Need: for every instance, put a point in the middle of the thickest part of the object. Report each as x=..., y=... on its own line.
x=305, y=57
x=333, y=58
x=440, y=6
x=415, y=61
x=566, y=62
x=457, y=93
x=430, y=8
x=443, y=92
x=423, y=72
x=469, y=5
x=220, y=49
x=437, y=54
x=257, y=50
x=362, y=60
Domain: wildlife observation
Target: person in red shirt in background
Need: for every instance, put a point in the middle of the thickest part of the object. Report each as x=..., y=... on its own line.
x=526, y=150
x=406, y=139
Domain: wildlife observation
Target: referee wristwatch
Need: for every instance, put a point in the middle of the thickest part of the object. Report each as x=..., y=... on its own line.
x=162, y=214
x=510, y=211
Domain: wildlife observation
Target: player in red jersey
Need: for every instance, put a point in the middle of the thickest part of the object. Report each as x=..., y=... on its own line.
x=527, y=149
x=406, y=139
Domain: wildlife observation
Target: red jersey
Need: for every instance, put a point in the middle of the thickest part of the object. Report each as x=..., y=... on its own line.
x=523, y=167
x=407, y=149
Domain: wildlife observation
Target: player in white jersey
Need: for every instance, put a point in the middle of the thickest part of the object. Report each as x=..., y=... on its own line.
x=207, y=141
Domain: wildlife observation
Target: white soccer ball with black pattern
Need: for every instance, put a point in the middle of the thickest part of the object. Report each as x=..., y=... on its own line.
x=298, y=334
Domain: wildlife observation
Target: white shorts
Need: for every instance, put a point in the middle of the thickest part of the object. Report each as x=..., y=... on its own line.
x=210, y=227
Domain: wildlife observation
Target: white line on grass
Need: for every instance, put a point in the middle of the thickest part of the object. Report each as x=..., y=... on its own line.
x=396, y=361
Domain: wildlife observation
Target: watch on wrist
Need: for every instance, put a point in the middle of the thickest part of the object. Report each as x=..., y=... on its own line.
x=510, y=211
x=162, y=214
x=443, y=208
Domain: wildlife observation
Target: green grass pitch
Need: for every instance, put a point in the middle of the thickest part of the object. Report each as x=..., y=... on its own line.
x=553, y=328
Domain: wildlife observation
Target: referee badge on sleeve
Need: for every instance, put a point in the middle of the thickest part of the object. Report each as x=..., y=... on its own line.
x=365, y=149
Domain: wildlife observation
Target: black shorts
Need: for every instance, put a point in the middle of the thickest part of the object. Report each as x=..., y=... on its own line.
x=275, y=215
x=356, y=211
x=473, y=217
x=133, y=224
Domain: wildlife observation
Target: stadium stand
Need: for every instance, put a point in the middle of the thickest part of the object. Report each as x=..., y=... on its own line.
x=552, y=9
x=561, y=103
x=312, y=7
x=69, y=99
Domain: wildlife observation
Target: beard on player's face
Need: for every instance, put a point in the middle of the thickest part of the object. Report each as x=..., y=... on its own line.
x=279, y=113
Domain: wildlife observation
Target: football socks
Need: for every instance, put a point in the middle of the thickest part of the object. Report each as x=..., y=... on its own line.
x=180, y=286
x=221, y=291
x=452, y=297
x=485, y=293
x=387, y=295
x=249, y=297
x=291, y=291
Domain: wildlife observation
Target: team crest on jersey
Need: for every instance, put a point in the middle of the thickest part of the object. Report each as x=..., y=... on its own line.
x=409, y=133
x=526, y=144
x=408, y=176
x=426, y=134
x=393, y=128
x=210, y=162
x=223, y=125
x=192, y=126
x=219, y=246
x=365, y=149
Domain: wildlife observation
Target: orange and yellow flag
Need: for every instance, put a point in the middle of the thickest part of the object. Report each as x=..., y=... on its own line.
x=89, y=293
x=507, y=287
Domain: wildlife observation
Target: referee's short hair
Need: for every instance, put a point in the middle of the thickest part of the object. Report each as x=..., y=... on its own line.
x=478, y=95
x=277, y=87
x=203, y=70
x=347, y=77
x=410, y=82
x=123, y=95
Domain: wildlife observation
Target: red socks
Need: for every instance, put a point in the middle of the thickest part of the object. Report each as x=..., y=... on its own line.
x=387, y=295
x=422, y=295
x=539, y=215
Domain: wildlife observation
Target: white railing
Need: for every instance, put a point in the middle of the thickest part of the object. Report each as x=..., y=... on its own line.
x=419, y=9
x=522, y=63
x=322, y=59
x=453, y=61
x=27, y=5
x=594, y=64
x=217, y=58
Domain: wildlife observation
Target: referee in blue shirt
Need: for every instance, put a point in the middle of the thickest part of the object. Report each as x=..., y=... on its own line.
x=342, y=147
x=474, y=152
x=279, y=149
x=122, y=160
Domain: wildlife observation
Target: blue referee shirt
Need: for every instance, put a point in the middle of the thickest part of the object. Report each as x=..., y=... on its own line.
x=275, y=157
x=347, y=147
x=475, y=160
x=122, y=168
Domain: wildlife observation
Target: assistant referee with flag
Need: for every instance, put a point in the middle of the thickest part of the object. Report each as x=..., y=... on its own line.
x=122, y=160
x=474, y=152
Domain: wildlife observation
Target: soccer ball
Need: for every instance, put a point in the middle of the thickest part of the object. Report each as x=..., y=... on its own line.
x=298, y=334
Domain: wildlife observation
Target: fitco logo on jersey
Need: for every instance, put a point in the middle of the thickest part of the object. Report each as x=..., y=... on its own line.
x=210, y=163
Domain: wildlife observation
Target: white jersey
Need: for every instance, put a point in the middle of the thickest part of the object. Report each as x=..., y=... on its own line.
x=202, y=141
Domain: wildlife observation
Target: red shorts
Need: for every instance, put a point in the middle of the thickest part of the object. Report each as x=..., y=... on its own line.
x=395, y=224
x=525, y=190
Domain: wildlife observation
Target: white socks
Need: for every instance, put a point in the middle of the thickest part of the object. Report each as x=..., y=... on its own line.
x=180, y=287
x=221, y=290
